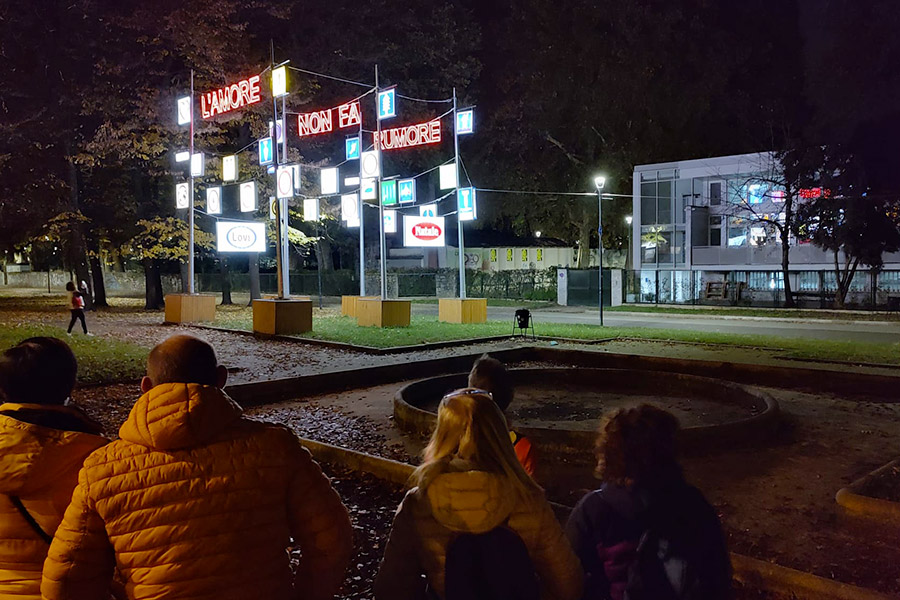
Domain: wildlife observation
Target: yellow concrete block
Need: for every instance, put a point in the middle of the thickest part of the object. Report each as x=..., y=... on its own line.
x=282, y=317
x=382, y=313
x=455, y=310
x=190, y=308
x=348, y=304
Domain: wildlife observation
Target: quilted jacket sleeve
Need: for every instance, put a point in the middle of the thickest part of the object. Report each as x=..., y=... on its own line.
x=400, y=574
x=80, y=563
x=557, y=566
x=321, y=525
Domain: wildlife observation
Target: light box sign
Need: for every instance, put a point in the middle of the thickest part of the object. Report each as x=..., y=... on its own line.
x=240, y=237
x=350, y=209
x=198, y=165
x=231, y=97
x=390, y=221
x=248, y=196
x=322, y=121
x=329, y=181
x=388, y=193
x=284, y=182
x=428, y=210
x=184, y=110
x=279, y=81
x=214, y=200
x=411, y=135
x=311, y=209
x=367, y=189
x=182, y=195
x=427, y=232
x=265, y=151
x=465, y=122
x=406, y=189
x=465, y=204
x=387, y=104
x=229, y=168
x=447, y=176
x=371, y=164
x=352, y=148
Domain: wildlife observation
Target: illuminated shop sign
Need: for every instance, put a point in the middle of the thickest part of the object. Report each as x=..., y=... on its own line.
x=412, y=135
x=322, y=121
x=816, y=192
x=231, y=97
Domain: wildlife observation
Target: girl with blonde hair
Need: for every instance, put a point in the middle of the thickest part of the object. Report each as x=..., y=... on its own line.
x=470, y=482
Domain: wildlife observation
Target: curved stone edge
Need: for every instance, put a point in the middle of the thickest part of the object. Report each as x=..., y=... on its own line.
x=747, y=570
x=877, y=509
x=751, y=429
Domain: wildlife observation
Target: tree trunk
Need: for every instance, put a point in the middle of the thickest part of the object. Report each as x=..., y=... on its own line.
x=183, y=271
x=325, y=252
x=99, y=285
x=785, y=267
x=226, y=280
x=3, y=267
x=153, y=285
x=584, y=245
x=78, y=248
x=255, y=293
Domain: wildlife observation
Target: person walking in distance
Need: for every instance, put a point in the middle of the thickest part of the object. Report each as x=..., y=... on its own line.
x=195, y=501
x=44, y=439
x=76, y=307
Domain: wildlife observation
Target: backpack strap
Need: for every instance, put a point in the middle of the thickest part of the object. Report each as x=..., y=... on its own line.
x=17, y=502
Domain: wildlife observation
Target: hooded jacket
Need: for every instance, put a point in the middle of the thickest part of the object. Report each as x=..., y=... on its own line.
x=39, y=461
x=460, y=501
x=195, y=501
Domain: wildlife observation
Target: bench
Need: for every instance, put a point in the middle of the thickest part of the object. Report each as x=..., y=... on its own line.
x=821, y=296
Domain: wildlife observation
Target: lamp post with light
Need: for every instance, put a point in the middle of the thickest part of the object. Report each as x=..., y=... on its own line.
x=599, y=182
x=628, y=260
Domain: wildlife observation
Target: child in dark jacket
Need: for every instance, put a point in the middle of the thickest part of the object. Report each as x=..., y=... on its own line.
x=644, y=493
x=490, y=375
x=76, y=308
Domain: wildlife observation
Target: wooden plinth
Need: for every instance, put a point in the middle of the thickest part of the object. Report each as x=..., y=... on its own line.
x=282, y=317
x=382, y=313
x=190, y=308
x=456, y=310
x=348, y=304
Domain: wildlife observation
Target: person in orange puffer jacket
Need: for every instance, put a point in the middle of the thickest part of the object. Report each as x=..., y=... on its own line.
x=43, y=441
x=490, y=375
x=196, y=501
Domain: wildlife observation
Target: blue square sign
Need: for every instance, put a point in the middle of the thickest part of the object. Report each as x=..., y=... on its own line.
x=352, y=148
x=465, y=201
x=465, y=122
x=265, y=151
x=407, y=190
x=387, y=104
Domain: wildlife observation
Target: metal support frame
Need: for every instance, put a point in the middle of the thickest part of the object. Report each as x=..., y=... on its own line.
x=383, y=262
x=191, y=201
x=459, y=221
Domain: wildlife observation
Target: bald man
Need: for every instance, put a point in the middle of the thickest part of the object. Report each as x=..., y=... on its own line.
x=196, y=501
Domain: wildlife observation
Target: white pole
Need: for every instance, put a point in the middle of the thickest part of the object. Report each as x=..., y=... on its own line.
x=459, y=221
x=191, y=206
x=284, y=215
x=378, y=195
x=279, y=254
x=600, y=249
x=362, y=234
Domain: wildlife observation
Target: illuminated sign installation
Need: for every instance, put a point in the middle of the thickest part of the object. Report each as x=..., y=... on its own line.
x=182, y=195
x=423, y=231
x=231, y=97
x=412, y=135
x=407, y=190
x=214, y=200
x=322, y=121
x=240, y=237
x=388, y=192
x=465, y=202
x=229, y=168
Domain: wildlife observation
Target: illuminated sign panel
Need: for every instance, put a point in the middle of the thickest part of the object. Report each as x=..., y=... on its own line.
x=447, y=176
x=214, y=200
x=465, y=122
x=265, y=151
x=350, y=209
x=387, y=104
x=231, y=97
x=388, y=193
x=465, y=201
x=279, y=81
x=329, y=181
x=412, y=135
x=240, y=237
x=229, y=168
x=428, y=210
x=248, y=196
x=390, y=221
x=198, y=165
x=371, y=164
x=182, y=195
x=311, y=209
x=322, y=121
x=407, y=190
x=425, y=232
x=352, y=148
x=184, y=110
x=284, y=182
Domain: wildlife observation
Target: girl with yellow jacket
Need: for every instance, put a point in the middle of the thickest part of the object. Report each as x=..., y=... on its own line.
x=43, y=443
x=471, y=482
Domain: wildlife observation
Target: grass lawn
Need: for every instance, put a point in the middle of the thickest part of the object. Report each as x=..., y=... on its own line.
x=329, y=325
x=100, y=359
x=782, y=313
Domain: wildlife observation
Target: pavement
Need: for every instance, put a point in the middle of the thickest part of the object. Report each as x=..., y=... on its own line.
x=822, y=329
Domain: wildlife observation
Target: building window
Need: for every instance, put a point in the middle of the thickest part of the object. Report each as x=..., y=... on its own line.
x=493, y=255
x=509, y=255
x=648, y=204
x=539, y=254
x=715, y=236
x=715, y=193
x=737, y=232
x=664, y=203
x=525, y=255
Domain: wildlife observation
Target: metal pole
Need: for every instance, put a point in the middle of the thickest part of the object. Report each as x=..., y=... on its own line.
x=600, y=249
x=279, y=254
x=362, y=228
x=284, y=213
x=319, y=251
x=459, y=221
x=378, y=195
x=191, y=207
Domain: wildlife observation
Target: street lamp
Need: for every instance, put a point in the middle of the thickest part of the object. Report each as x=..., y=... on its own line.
x=628, y=220
x=599, y=182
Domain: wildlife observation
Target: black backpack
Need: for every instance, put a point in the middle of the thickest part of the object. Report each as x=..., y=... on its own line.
x=490, y=566
x=662, y=570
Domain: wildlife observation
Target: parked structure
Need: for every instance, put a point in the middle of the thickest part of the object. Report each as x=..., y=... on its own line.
x=699, y=239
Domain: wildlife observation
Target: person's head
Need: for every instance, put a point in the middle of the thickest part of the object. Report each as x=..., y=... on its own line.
x=637, y=446
x=471, y=427
x=70, y=286
x=489, y=374
x=39, y=370
x=183, y=359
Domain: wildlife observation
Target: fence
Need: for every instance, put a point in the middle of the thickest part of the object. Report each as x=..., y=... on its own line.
x=811, y=289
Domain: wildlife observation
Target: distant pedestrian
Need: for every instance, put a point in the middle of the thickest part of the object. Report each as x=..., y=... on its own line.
x=195, y=501
x=646, y=533
x=86, y=295
x=43, y=441
x=471, y=496
x=76, y=308
x=490, y=374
